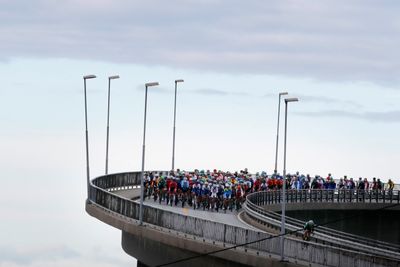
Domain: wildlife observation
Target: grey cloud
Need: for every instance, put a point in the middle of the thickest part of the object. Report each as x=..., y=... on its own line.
x=155, y=89
x=217, y=92
x=271, y=95
x=327, y=100
x=384, y=117
x=28, y=256
x=349, y=41
x=319, y=99
x=210, y=92
x=390, y=116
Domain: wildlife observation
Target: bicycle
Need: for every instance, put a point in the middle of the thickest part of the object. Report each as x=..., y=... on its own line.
x=307, y=235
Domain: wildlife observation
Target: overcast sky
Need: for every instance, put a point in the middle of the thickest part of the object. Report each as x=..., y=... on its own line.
x=340, y=58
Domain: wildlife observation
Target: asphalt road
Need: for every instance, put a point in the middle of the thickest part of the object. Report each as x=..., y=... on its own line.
x=229, y=218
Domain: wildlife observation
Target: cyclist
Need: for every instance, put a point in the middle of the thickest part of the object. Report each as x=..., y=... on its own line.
x=379, y=184
x=308, y=229
x=390, y=185
x=361, y=184
x=205, y=194
x=366, y=184
x=161, y=188
x=184, y=184
x=374, y=184
x=172, y=191
x=196, y=192
x=239, y=193
x=213, y=191
x=227, y=197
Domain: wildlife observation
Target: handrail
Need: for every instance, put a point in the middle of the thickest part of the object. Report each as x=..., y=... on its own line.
x=325, y=195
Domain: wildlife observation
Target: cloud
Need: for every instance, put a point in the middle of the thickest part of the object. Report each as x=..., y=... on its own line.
x=210, y=92
x=154, y=89
x=28, y=256
x=384, y=117
x=327, y=100
x=58, y=256
x=319, y=99
x=65, y=263
x=217, y=92
x=350, y=41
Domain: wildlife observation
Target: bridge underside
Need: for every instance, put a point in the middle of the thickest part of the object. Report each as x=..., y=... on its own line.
x=145, y=242
x=153, y=253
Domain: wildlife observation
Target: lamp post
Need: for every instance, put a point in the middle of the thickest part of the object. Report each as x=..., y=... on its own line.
x=173, y=136
x=143, y=151
x=108, y=117
x=277, y=132
x=287, y=100
x=87, y=133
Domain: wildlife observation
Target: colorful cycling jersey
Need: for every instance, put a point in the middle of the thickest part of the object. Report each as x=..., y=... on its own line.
x=161, y=183
x=239, y=192
x=390, y=184
x=205, y=191
x=196, y=190
x=185, y=185
x=227, y=193
x=309, y=225
x=172, y=186
x=214, y=190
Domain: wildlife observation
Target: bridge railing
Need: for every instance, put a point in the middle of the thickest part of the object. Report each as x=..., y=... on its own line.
x=100, y=193
x=325, y=195
x=120, y=181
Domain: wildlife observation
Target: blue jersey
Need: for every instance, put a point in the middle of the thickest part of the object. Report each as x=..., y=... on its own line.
x=227, y=193
x=196, y=190
x=185, y=185
x=205, y=191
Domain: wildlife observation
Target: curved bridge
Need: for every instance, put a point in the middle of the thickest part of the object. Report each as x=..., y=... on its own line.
x=110, y=201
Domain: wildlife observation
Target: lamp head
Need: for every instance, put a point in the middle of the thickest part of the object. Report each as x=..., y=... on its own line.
x=294, y=99
x=283, y=93
x=89, y=76
x=179, y=81
x=151, y=84
x=113, y=77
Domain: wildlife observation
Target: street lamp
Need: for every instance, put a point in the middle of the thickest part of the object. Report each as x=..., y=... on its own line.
x=173, y=138
x=277, y=132
x=108, y=117
x=144, y=142
x=87, y=133
x=287, y=100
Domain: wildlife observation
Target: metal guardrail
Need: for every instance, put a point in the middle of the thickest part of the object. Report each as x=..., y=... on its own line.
x=100, y=193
